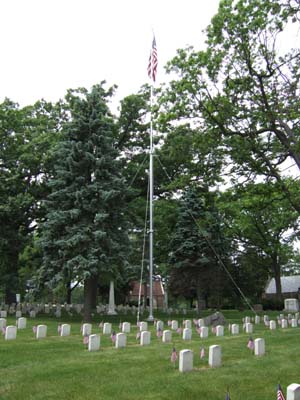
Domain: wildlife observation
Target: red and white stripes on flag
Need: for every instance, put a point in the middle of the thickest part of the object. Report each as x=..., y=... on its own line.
x=280, y=395
x=152, y=64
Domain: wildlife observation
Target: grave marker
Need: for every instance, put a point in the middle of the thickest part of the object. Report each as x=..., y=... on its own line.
x=94, y=343
x=186, y=360
x=214, y=357
x=11, y=332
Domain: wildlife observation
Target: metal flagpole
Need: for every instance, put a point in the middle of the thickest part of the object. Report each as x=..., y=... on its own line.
x=151, y=231
x=152, y=69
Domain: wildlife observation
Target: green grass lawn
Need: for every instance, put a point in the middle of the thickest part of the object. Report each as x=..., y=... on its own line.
x=62, y=368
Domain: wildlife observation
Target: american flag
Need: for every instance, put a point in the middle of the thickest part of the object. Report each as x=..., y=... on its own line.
x=250, y=344
x=86, y=339
x=202, y=352
x=152, y=64
x=173, y=355
x=227, y=396
x=280, y=395
x=113, y=337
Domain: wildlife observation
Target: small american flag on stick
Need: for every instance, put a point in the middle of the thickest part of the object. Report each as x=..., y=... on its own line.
x=152, y=64
x=173, y=356
x=280, y=395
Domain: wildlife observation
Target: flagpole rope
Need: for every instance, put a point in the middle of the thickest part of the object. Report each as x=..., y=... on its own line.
x=143, y=255
x=210, y=244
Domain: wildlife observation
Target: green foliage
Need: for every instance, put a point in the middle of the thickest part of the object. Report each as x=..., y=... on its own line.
x=85, y=231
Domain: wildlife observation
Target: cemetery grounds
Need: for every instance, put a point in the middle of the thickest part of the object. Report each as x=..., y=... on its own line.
x=62, y=368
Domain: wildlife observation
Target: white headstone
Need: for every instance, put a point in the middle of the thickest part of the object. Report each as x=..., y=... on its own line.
x=2, y=323
x=272, y=325
x=293, y=392
x=143, y=326
x=126, y=327
x=201, y=322
x=3, y=314
x=11, y=332
x=106, y=328
x=284, y=323
x=167, y=336
x=41, y=331
x=65, y=330
x=186, y=360
x=188, y=324
x=174, y=325
x=294, y=323
x=247, y=320
x=291, y=305
x=187, y=334
x=120, y=340
x=18, y=314
x=219, y=330
x=249, y=327
x=204, y=332
x=94, y=343
x=259, y=347
x=159, y=325
x=257, y=319
x=214, y=357
x=234, y=329
x=32, y=314
x=86, y=329
x=21, y=323
x=145, y=338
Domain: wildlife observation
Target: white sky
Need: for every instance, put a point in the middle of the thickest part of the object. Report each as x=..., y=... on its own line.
x=49, y=46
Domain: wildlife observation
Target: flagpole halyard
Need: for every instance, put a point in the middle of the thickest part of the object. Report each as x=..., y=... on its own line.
x=152, y=69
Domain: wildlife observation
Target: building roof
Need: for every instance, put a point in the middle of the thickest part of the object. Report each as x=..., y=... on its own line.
x=289, y=284
x=158, y=289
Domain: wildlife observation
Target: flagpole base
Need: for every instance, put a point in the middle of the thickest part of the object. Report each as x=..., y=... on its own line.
x=150, y=318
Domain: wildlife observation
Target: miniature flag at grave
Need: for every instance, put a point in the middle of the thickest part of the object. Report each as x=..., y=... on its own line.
x=250, y=344
x=202, y=352
x=179, y=330
x=59, y=329
x=113, y=337
x=101, y=325
x=86, y=339
x=138, y=335
x=227, y=396
x=173, y=355
x=280, y=395
x=34, y=329
x=159, y=333
x=3, y=330
x=120, y=325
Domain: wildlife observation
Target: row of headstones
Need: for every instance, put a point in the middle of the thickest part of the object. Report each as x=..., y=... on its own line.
x=215, y=355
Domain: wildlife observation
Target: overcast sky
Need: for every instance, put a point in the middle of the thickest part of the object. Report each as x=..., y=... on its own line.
x=49, y=46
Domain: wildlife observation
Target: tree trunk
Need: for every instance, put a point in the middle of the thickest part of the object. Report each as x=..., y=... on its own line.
x=94, y=292
x=69, y=293
x=88, y=299
x=199, y=294
x=276, y=270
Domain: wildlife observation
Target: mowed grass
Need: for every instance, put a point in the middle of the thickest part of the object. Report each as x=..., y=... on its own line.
x=62, y=368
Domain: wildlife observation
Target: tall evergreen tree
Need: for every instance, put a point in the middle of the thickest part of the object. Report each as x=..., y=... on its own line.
x=85, y=232
x=197, y=237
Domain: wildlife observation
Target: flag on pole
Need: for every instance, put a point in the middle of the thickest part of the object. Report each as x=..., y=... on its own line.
x=152, y=64
x=173, y=355
x=250, y=344
x=113, y=337
x=202, y=352
x=280, y=395
x=227, y=396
